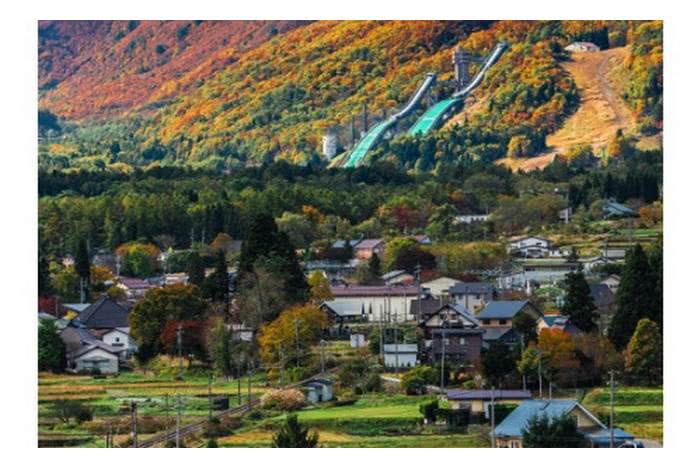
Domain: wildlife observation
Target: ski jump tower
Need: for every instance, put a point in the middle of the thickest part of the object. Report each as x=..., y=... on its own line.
x=461, y=60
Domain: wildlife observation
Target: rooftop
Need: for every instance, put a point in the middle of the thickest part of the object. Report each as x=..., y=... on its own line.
x=502, y=309
x=480, y=394
x=104, y=313
x=369, y=243
x=373, y=291
x=470, y=288
x=514, y=424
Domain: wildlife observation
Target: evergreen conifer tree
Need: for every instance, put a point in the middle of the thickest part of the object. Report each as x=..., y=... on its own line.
x=579, y=305
x=634, y=297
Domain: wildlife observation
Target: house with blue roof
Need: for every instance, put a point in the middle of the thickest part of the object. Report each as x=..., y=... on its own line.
x=497, y=320
x=509, y=433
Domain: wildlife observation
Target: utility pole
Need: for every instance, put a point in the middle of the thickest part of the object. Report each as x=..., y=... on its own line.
x=493, y=420
x=134, y=427
x=250, y=373
x=209, y=396
x=539, y=370
x=442, y=361
x=178, y=407
x=238, y=378
x=612, y=408
x=179, y=349
x=396, y=342
x=381, y=333
x=420, y=292
x=296, y=337
x=323, y=357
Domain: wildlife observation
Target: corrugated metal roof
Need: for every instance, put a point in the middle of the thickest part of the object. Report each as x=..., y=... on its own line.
x=517, y=420
x=481, y=394
x=502, y=309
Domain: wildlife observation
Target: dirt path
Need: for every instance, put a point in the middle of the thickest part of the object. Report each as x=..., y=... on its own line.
x=602, y=111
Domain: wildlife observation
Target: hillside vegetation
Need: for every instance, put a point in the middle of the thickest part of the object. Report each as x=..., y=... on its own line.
x=222, y=94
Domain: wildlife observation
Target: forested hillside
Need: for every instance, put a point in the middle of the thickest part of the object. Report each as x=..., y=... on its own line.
x=98, y=69
x=219, y=95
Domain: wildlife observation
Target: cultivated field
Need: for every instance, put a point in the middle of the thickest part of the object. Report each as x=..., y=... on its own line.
x=375, y=420
x=638, y=411
x=110, y=400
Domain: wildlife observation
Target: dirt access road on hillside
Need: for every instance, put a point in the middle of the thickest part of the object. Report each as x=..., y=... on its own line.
x=601, y=112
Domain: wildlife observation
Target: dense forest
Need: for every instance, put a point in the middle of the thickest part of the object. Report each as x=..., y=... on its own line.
x=316, y=205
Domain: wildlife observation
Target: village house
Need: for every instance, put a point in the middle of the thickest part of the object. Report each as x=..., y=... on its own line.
x=559, y=322
x=134, y=288
x=400, y=355
x=332, y=269
x=398, y=276
x=425, y=307
x=478, y=401
x=613, y=282
x=509, y=433
x=472, y=295
x=529, y=247
x=453, y=331
x=341, y=312
x=340, y=244
x=94, y=358
x=440, y=287
x=107, y=322
x=543, y=270
x=365, y=249
x=380, y=303
x=497, y=320
x=470, y=218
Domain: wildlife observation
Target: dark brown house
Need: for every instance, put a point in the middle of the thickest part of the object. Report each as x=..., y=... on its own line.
x=451, y=330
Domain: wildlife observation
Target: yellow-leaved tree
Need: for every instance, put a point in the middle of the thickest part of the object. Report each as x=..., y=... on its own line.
x=288, y=339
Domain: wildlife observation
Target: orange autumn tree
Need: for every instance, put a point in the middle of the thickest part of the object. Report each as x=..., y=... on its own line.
x=288, y=339
x=558, y=354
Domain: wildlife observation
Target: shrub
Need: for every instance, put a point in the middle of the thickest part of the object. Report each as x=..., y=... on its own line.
x=428, y=410
x=284, y=399
x=415, y=380
x=65, y=410
x=212, y=443
x=293, y=435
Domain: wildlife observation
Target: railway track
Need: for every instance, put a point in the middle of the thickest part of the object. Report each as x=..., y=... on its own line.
x=199, y=426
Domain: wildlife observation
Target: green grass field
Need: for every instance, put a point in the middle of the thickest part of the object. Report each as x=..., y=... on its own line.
x=110, y=398
x=373, y=421
x=638, y=411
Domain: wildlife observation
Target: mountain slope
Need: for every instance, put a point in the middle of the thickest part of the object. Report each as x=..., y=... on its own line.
x=222, y=94
x=100, y=69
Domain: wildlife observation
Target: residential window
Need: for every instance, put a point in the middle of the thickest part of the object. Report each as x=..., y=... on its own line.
x=502, y=321
x=487, y=321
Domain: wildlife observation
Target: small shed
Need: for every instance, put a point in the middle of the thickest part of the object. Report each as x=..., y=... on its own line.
x=357, y=340
x=318, y=390
x=96, y=358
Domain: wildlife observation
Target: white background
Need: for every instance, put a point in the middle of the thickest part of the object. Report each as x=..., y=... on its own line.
x=18, y=154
